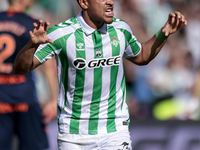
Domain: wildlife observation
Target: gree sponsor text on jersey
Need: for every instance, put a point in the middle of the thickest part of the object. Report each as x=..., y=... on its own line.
x=80, y=63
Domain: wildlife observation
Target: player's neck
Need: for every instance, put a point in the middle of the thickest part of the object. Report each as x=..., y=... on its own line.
x=15, y=8
x=90, y=22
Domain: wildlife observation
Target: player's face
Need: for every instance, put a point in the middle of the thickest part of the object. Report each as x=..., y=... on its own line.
x=101, y=11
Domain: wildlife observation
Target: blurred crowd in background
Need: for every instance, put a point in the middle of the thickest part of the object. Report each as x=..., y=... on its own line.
x=168, y=87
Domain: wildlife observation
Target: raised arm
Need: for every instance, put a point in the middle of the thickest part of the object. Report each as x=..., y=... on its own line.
x=25, y=60
x=153, y=46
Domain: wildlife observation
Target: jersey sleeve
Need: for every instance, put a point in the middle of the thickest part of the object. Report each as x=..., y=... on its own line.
x=44, y=52
x=48, y=50
x=132, y=46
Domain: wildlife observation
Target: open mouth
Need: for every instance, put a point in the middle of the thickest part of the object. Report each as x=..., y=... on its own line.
x=109, y=12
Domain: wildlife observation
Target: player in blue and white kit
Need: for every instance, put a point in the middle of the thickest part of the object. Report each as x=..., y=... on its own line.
x=92, y=112
x=20, y=112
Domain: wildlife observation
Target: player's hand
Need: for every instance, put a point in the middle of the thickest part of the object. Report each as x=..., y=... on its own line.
x=39, y=34
x=174, y=22
x=49, y=111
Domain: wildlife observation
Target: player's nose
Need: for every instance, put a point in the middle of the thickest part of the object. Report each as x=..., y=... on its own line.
x=110, y=2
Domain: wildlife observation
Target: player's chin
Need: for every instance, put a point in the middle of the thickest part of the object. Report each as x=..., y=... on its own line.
x=109, y=20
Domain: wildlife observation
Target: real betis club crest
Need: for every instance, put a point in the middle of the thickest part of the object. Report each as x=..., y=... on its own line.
x=114, y=41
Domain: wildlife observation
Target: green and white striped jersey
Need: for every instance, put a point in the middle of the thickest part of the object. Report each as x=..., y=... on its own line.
x=90, y=74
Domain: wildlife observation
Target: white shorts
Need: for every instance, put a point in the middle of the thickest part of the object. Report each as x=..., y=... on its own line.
x=111, y=141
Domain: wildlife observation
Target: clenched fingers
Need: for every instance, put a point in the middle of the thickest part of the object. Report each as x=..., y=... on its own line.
x=177, y=19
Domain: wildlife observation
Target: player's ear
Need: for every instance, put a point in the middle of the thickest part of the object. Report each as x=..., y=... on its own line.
x=83, y=4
